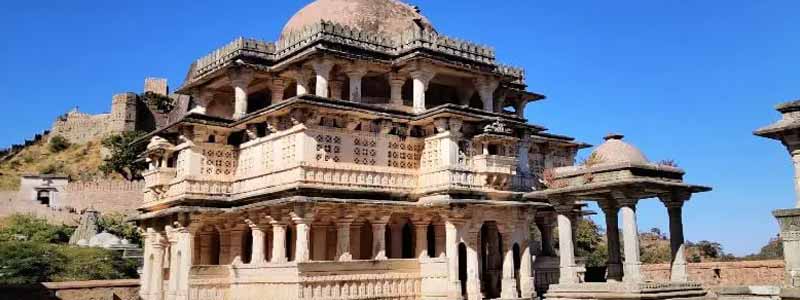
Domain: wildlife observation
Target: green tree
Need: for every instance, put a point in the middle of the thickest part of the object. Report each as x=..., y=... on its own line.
x=124, y=158
x=57, y=144
x=84, y=263
x=589, y=243
x=30, y=228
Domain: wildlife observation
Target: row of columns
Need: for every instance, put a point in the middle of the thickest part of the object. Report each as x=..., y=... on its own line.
x=630, y=269
x=320, y=69
x=174, y=252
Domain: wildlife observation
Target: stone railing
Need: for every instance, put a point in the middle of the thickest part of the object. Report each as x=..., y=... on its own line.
x=159, y=177
x=495, y=164
x=336, y=33
x=390, y=279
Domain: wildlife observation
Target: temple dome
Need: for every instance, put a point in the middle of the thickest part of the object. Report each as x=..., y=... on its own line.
x=616, y=151
x=389, y=17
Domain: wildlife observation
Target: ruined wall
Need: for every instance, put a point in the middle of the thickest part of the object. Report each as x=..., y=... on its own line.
x=104, y=195
x=716, y=275
x=126, y=289
x=80, y=128
x=11, y=203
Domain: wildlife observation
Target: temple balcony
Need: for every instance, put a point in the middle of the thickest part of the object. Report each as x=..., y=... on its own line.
x=159, y=178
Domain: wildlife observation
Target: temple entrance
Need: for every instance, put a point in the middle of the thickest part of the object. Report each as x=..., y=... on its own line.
x=517, y=261
x=43, y=197
x=462, y=268
x=490, y=255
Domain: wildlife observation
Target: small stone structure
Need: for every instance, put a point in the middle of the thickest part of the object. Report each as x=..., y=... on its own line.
x=43, y=189
x=616, y=176
x=126, y=289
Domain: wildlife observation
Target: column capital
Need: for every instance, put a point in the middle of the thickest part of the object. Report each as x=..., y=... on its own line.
x=675, y=198
x=397, y=79
x=356, y=72
x=609, y=206
x=322, y=65
x=278, y=83
x=240, y=76
x=423, y=75
x=563, y=205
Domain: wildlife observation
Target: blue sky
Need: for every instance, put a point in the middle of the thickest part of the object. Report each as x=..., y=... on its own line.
x=683, y=80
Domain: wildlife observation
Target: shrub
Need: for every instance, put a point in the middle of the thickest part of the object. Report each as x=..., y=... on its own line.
x=115, y=224
x=57, y=144
x=28, y=262
x=93, y=264
x=53, y=168
x=30, y=228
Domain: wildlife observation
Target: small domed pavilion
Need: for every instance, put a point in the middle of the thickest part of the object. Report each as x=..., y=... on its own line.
x=617, y=175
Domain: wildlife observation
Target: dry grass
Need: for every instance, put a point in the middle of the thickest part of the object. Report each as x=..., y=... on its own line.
x=79, y=162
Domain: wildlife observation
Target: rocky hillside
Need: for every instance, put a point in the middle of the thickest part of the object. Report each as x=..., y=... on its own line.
x=79, y=162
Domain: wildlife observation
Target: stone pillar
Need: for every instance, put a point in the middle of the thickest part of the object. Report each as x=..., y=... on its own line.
x=440, y=236
x=355, y=75
x=421, y=238
x=379, y=240
x=788, y=220
x=183, y=258
x=421, y=80
x=548, y=240
x=794, y=150
x=630, y=239
x=508, y=288
x=278, y=242
x=240, y=79
x=486, y=88
x=336, y=86
x=202, y=99
x=452, y=237
x=614, y=263
x=566, y=248
x=355, y=240
x=473, y=267
x=320, y=242
x=396, y=235
x=204, y=257
x=303, y=235
x=258, y=254
x=277, y=89
x=172, y=283
x=523, y=165
x=237, y=236
x=322, y=68
x=302, y=77
x=225, y=255
x=343, y=240
x=147, y=267
x=526, y=279
x=396, y=82
x=674, y=204
x=156, y=284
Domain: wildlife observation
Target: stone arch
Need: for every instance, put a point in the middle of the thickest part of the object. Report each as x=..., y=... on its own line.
x=258, y=100
x=442, y=90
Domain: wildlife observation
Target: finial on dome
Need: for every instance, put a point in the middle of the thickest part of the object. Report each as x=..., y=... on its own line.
x=614, y=136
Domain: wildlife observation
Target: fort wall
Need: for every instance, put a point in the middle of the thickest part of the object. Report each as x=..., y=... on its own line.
x=721, y=274
x=104, y=195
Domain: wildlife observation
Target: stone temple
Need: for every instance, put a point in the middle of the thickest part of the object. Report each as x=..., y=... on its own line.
x=364, y=155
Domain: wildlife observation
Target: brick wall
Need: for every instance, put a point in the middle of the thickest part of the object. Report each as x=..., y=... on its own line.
x=716, y=275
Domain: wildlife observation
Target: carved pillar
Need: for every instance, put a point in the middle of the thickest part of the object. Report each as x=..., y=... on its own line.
x=614, y=263
x=566, y=247
x=302, y=77
x=547, y=227
x=421, y=238
x=320, y=242
x=508, y=288
x=183, y=257
x=355, y=240
x=237, y=236
x=225, y=255
x=440, y=237
x=278, y=242
x=421, y=80
x=355, y=75
x=396, y=235
x=156, y=284
x=202, y=99
x=452, y=228
x=526, y=281
x=147, y=266
x=343, y=252
x=396, y=82
x=278, y=87
x=258, y=254
x=303, y=235
x=336, y=86
x=172, y=284
x=674, y=204
x=379, y=240
x=486, y=88
x=240, y=79
x=524, y=166
x=473, y=267
x=630, y=240
x=322, y=68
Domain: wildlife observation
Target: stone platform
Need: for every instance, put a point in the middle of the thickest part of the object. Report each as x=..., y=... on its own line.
x=622, y=290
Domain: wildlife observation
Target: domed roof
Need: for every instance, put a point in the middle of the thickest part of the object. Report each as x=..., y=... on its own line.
x=383, y=16
x=615, y=151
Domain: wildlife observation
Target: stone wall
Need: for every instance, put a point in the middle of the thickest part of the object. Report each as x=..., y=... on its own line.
x=11, y=203
x=127, y=289
x=80, y=128
x=104, y=195
x=722, y=274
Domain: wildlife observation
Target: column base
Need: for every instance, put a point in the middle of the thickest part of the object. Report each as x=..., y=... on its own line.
x=508, y=288
x=633, y=273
